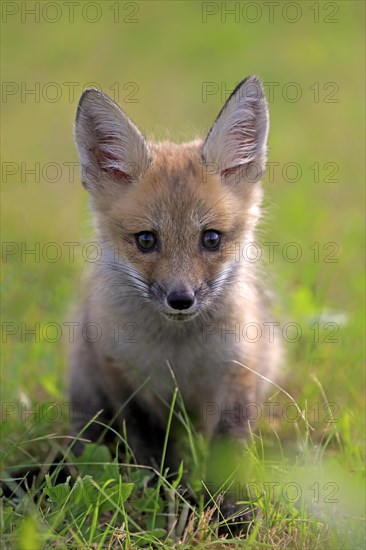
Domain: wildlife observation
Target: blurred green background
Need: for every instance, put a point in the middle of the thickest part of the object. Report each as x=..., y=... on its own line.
x=159, y=60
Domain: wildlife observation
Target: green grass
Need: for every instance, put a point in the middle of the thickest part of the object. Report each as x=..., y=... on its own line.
x=168, y=55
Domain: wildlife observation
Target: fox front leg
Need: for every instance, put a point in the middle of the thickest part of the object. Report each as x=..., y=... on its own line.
x=229, y=466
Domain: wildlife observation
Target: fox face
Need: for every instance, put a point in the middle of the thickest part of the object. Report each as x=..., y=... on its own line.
x=170, y=217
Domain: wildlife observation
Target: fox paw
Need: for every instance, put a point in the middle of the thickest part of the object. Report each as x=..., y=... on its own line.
x=235, y=519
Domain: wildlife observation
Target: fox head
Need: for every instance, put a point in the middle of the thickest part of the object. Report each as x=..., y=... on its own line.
x=174, y=214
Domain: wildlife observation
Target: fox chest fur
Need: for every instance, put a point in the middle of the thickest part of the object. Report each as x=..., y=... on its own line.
x=137, y=349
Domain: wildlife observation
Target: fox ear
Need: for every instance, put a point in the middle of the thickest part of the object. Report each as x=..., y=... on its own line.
x=110, y=146
x=237, y=140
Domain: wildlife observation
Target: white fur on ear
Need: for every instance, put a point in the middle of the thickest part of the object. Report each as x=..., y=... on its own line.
x=108, y=142
x=239, y=134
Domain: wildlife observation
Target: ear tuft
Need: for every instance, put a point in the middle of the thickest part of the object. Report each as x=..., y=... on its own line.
x=238, y=136
x=108, y=142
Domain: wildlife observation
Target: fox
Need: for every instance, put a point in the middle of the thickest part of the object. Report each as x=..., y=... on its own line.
x=171, y=221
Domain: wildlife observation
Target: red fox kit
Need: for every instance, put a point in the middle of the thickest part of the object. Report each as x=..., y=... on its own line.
x=170, y=220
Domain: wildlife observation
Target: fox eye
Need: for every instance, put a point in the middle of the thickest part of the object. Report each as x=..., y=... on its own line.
x=211, y=239
x=146, y=241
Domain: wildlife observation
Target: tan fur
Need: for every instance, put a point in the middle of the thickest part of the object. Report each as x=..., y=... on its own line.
x=177, y=195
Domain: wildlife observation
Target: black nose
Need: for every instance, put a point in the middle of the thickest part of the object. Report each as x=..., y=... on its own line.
x=180, y=299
